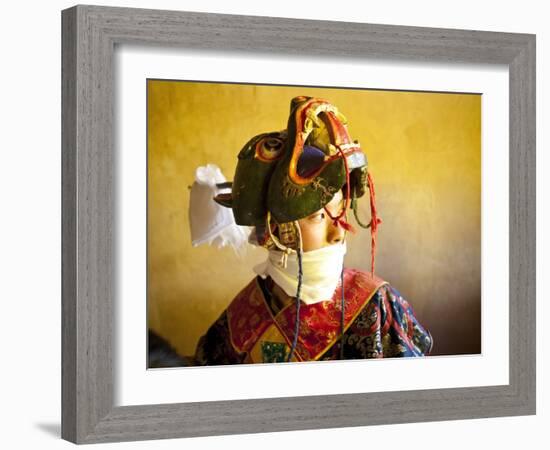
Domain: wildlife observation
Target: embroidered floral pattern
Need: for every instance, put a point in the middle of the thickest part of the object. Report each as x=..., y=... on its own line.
x=379, y=323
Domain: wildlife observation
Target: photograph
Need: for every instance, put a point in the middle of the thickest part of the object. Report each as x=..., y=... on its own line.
x=311, y=224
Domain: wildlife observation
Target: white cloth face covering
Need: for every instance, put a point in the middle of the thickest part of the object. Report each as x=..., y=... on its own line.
x=321, y=272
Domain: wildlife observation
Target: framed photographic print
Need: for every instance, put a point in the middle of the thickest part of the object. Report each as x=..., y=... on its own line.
x=169, y=333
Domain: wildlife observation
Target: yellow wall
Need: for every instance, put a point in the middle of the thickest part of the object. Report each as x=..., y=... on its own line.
x=424, y=152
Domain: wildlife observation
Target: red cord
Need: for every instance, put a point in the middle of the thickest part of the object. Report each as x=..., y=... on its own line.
x=375, y=221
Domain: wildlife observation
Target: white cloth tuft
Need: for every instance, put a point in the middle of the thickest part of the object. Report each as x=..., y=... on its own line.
x=210, y=222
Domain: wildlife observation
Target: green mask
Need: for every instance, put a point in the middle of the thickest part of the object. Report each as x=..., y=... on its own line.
x=295, y=172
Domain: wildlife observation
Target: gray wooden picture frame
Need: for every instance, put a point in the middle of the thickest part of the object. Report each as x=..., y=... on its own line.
x=90, y=34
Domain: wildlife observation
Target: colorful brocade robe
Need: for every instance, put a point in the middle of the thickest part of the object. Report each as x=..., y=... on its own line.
x=378, y=323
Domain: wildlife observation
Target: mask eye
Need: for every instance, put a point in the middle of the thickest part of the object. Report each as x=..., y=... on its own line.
x=310, y=161
x=269, y=149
